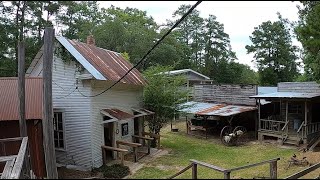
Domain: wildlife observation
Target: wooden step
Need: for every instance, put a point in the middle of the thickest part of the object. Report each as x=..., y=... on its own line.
x=293, y=141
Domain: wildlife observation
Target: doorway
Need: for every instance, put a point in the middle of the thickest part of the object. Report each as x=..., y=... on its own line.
x=109, y=139
x=136, y=124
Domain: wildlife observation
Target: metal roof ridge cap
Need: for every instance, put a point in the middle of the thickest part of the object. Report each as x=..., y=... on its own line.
x=206, y=77
x=78, y=56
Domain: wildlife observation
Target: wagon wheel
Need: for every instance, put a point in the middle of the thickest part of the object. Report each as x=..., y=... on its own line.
x=243, y=129
x=225, y=132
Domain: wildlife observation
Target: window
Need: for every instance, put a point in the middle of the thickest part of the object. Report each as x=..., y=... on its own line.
x=125, y=129
x=58, y=130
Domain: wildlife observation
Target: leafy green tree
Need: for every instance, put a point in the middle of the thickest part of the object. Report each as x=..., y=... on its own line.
x=273, y=52
x=217, y=50
x=307, y=31
x=163, y=94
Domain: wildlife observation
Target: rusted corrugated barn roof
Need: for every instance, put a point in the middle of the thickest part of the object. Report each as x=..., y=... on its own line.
x=9, y=102
x=111, y=65
x=214, y=109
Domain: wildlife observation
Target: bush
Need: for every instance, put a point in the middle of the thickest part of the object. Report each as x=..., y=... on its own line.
x=115, y=171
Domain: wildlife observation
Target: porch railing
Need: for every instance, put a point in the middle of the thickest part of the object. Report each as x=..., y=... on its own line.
x=313, y=128
x=272, y=125
x=301, y=131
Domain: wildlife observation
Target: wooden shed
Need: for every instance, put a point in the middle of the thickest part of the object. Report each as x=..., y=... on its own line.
x=295, y=116
x=9, y=120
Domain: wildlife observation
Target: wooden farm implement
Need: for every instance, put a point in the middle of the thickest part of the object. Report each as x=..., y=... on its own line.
x=230, y=136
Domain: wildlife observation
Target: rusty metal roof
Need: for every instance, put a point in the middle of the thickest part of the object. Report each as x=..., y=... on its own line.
x=118, y=114
x=109, y=64
x=214, y=109
x=9, y=102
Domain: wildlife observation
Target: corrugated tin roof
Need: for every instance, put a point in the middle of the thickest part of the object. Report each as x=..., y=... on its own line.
x=287, y=95
x=118, y=114
x=180, y=71
x=266, y=90
x=9, y=101
x=111, y=65
x=214, y=109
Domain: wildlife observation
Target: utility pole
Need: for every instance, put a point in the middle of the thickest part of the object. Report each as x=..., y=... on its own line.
x=21, y=89
x=48, y=140
x=22, y=101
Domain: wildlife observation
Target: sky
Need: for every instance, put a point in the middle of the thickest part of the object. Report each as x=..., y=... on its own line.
x=239, y=17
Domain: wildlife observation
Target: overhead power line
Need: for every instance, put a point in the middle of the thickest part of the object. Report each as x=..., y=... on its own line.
x=153, y=47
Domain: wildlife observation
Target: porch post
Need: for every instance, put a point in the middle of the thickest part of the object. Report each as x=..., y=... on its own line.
x=287, y=129
x=259, y=109
x=305, y=121
x=188, y=91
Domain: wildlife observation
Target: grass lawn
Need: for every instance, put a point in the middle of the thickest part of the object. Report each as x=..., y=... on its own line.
x=184, y=147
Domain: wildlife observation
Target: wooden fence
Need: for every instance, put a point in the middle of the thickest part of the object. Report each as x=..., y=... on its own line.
x=227, y=172
x=16, y=166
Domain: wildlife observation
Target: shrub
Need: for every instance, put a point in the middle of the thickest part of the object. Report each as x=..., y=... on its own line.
x=115, y=171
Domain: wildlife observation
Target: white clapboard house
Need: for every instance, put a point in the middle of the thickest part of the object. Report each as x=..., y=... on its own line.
x=84, y=122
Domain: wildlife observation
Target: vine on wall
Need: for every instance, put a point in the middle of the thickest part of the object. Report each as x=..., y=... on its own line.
x=67, y=57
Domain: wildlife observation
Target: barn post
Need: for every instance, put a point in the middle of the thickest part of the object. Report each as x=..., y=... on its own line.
x=305, y=122
x=50, y=156
x=21, y=95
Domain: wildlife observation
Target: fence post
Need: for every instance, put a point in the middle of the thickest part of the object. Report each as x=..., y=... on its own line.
x=194, y=171
x=227, y=174
x=273, y=170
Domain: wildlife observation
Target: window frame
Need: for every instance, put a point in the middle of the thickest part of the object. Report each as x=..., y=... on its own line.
x=63, y=130
x=122, y=124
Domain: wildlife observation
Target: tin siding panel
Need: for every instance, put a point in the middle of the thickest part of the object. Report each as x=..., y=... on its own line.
x=122, y=97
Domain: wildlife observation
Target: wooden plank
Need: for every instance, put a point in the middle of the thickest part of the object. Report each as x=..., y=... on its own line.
x=304, y=172
x=194, y=171
x=314, y=145
x=114, y=149
x=18, y=166
x=7, y=158
x=151, y=134
x=256, y=164
x=50, y=156
x=8, y=169
x=209, y=166
x=182, y=171
x=21, y=89
x=11, y=139
x=142, y=137
x=128, y=143
x=227, y=175
x=21, y=95
x=273, y=170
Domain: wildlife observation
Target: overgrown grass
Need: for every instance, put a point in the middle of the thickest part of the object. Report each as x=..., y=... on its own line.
x=185, y=147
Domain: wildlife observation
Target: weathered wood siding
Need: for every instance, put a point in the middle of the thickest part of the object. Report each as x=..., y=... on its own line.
x=230, y=94
x=302, y=87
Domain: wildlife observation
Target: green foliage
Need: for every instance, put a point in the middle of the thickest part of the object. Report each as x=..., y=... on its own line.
x=162, y=95
x=307, y=31
x=198, y=43
x=273, y=52
x=126, y=56
x=115, y=171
